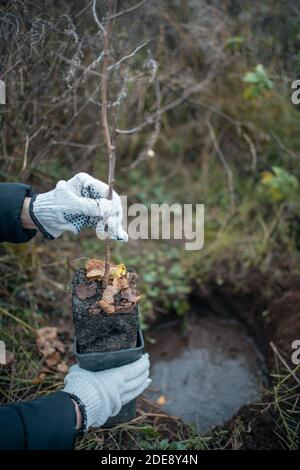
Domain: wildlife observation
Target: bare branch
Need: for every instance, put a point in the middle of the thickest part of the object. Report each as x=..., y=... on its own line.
x=252, y=150
x=25, y=154
x=109, y=142
x=224, y=163
x=128, y=56
x=148, y=150
x=127, y=10
x=173, y=104
x=96, y=18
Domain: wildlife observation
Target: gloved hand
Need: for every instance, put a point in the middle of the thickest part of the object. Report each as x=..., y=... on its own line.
x=78, y=203
x=104, y=393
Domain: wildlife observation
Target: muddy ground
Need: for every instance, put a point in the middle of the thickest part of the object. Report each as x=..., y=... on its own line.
x=268, y=304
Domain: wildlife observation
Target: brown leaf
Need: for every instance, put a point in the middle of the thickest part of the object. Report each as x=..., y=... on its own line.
x=108, y=294
x=94, y=311
x=63, y=367
x=47, y=333
x=161, y=400
x=95, y=269
x=38, y=378
x=131, y=277
x=106, y=307
x=47, y=342
x=120, y=283
x=130, y=295
x=95, y=274
x=94, y=263
x=125, y=307
x=59, y=345
x=86, y=291
x=53, y=359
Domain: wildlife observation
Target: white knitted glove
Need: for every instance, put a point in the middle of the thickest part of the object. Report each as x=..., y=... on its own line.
x=78, y=203
x=104, y=393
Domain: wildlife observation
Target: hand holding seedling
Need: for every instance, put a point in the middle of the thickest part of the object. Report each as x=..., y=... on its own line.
x=104, y=393
x=76, y=204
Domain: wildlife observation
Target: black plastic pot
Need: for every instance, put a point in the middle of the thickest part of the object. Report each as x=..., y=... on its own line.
x=98, y=361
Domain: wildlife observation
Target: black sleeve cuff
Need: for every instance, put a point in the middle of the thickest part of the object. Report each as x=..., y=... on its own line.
x=12, y=197
x=80, y=432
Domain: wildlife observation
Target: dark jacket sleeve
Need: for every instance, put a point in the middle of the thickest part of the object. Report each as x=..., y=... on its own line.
x=48, y=423
x=12, y=196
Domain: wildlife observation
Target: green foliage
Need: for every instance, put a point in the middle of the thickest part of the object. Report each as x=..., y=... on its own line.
x=278, y=185
x=163, y=444
x=176, y=145
x=258, y=81
x=234, y=42
x=161, y=278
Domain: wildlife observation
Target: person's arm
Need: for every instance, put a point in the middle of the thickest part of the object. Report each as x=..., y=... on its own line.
x=88, y=399
x=72, y=205
x=45, y=423
x=13, y=227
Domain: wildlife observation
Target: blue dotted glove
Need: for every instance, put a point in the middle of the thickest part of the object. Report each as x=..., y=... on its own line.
x=78, y=203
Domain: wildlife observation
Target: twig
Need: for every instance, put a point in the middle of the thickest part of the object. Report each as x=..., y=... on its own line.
x=224, y=163
x=282, y=146
x=125, y=57
x=127, y=10
x=105, y=128
x=150, y=144
x=277, y=353
x=173, y=104
x=96, y=18
x=252, y=149
x=75, y=144
x=25, y=154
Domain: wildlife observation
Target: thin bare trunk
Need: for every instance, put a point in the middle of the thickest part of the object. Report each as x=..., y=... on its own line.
x=109, y=142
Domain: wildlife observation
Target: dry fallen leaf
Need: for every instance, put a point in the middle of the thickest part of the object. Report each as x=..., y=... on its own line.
x=96, y=274
x=120, y=282
x=94, y=263
x=108, y=294
x=131, y=277
x=86, y=291
x=95, y=269
x=49, y=346
x=94, y=311
x=63, y=367
x=161, y=400
x=130, y=294
x=53, y=359
x=118, y=270
x=126, y=307
x=108, y=308
x=39, y=378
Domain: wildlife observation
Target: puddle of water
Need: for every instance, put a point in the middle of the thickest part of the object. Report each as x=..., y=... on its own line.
x=206, y=375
